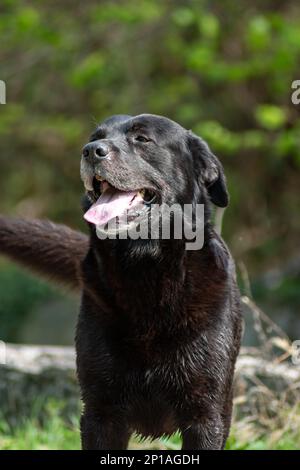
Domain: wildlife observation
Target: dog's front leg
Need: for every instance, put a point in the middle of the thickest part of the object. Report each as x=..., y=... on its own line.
x=98, y=433
x=207, y=433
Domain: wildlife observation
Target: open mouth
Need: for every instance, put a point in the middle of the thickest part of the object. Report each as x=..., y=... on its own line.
x=111, y=203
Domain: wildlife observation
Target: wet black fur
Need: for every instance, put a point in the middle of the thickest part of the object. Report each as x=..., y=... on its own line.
x=159, y=327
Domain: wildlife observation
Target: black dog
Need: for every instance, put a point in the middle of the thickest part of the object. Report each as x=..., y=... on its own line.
x=159, y=328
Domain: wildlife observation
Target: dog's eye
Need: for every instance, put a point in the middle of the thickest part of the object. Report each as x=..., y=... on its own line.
x=141, y=138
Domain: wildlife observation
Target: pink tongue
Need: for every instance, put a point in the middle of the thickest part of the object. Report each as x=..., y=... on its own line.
x=111, y=203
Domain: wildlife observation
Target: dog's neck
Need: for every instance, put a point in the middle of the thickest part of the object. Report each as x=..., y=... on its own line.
x=149, y=287
x=141, y=266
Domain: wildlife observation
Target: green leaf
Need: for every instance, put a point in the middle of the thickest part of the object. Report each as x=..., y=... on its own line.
x=209, y=26
x=88, y=70
x=258, y=34
x=270, y=116
x=27, y=19
x=183, y=17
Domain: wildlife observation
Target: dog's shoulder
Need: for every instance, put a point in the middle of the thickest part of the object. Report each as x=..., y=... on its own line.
x=221, y=254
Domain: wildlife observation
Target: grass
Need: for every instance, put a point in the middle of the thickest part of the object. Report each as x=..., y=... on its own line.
x=52, y=433
x=55, y=432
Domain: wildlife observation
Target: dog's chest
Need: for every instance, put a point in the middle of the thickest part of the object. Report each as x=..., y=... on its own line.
x=150, y=398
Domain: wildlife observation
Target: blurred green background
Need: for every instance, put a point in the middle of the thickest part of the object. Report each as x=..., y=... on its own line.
x=221, y=68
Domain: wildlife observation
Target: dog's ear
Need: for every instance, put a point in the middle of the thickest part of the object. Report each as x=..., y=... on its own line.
x=209, y=170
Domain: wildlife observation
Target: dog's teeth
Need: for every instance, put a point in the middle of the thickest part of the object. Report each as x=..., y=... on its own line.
x=88, y=184
x=142, y=193
x=86, y=175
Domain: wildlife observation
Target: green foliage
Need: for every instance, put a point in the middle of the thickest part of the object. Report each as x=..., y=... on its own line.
x=271, y=117
x=259, y=33
x=51, y=433
x=19, y=294
x=89, y=71
x=223, y=69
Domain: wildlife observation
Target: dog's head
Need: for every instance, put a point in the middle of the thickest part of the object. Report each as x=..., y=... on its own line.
x=147, y=159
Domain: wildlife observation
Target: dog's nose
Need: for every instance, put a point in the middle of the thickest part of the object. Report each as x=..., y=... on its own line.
x=96, y=150
x=101, y=150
